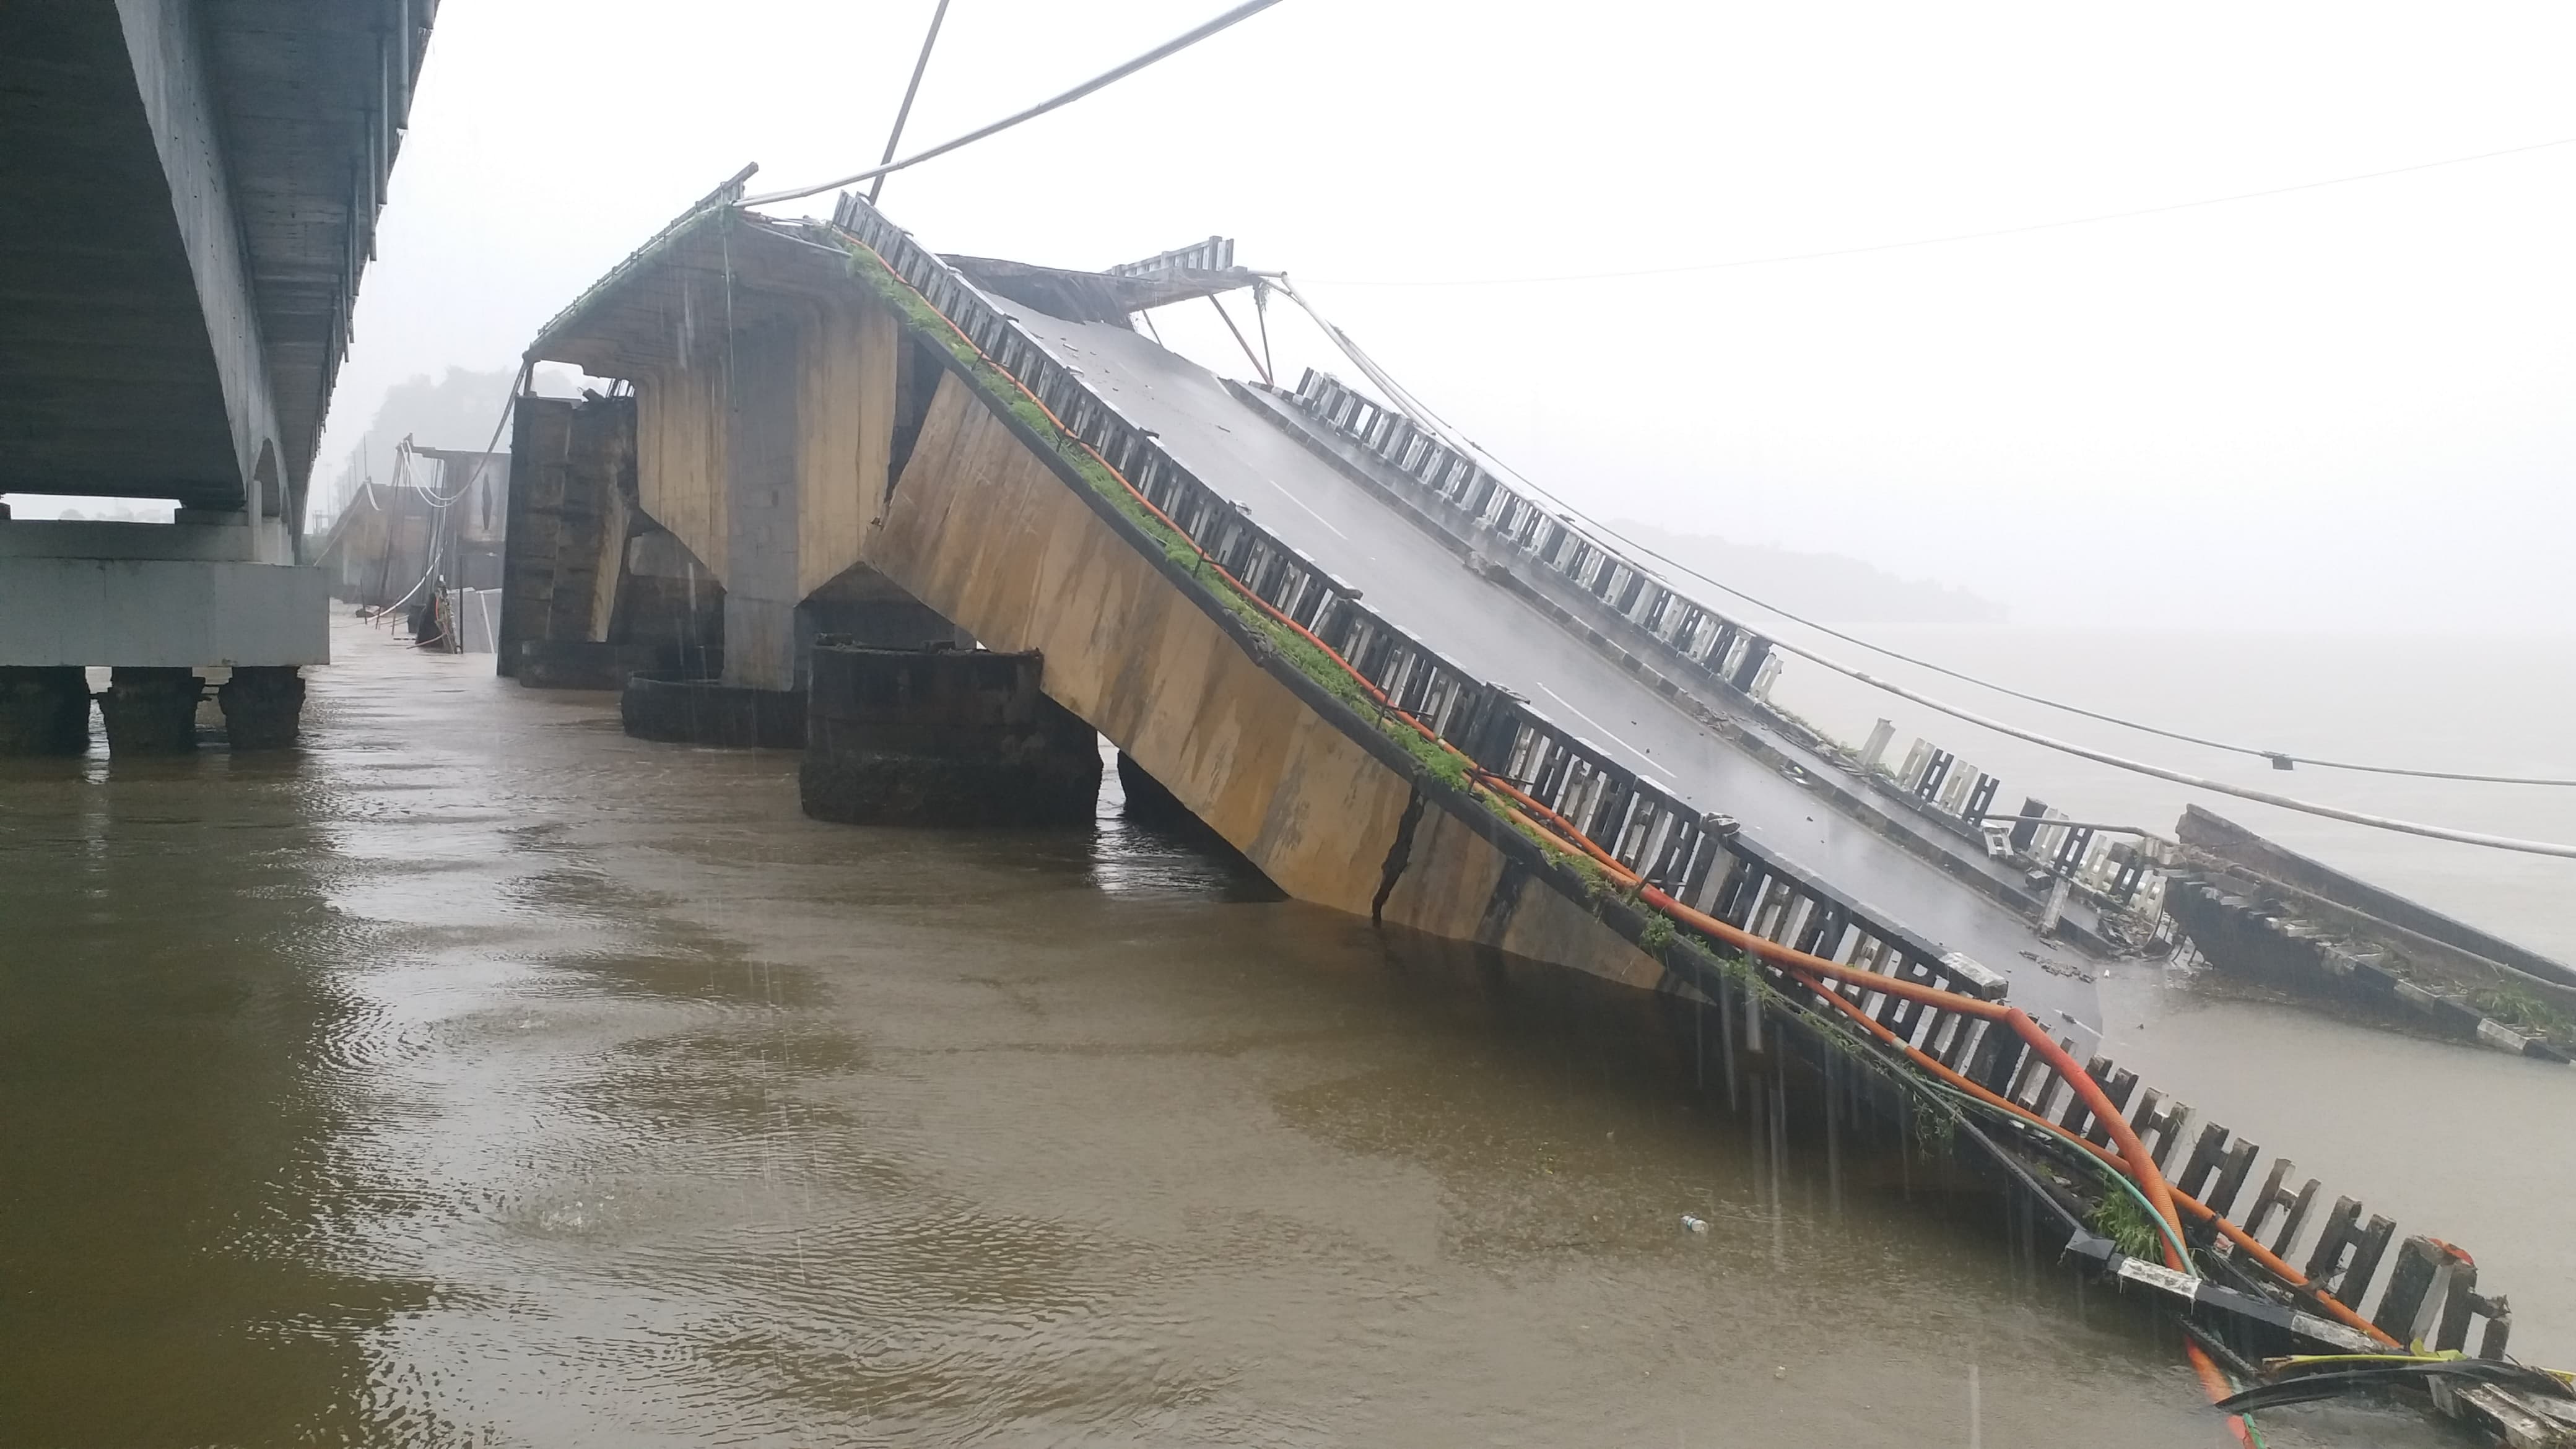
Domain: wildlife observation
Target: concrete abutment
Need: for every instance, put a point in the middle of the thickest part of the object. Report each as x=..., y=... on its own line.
x=942, y=737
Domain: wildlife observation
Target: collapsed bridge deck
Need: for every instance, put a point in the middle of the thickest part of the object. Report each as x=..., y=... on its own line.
x=1247, y=450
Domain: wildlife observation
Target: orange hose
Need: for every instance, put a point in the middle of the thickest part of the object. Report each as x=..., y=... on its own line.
x=1562, y=827
x=2216, y=1385
x=2244, y=1240
x=2133, y=1153
x=2335, y=1307
x=2134, y=1156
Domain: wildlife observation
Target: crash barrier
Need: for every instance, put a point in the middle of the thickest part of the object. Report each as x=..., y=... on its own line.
x=1931, y=781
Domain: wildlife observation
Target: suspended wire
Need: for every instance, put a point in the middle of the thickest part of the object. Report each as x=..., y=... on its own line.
x=2279, y=758
x=903, y=112
x=1947, y=238
x=509, y=404
x=438, y=536
x=1401, y=397
x=1170, y=47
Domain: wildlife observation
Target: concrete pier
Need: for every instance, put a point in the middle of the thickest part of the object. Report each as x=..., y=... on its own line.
x=43, y=711
x=191, y=194
x=263, y=706
x=151, y=711
x=943, y=737
x=583, y=663
x=154, y=602
x=659, y=706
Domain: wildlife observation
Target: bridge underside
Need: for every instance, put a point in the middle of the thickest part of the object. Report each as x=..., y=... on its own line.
x=191, y=195
x=188, y=194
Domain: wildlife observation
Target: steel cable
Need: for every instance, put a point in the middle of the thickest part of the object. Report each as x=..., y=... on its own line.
x=1456, y=440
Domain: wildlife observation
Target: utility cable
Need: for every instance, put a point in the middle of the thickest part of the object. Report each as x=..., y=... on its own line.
x=1170, y=47
x=509, y=404
x=2281, y=759
x=1947, y=238
x=1402, y=398
x=438, y=536
x=912, y=88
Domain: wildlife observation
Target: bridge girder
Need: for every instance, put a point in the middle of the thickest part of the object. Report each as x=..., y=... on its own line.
x=188, y=195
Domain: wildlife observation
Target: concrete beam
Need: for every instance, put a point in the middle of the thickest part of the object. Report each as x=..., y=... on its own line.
x=81, y=538
x=170, y=74
x=141, y=595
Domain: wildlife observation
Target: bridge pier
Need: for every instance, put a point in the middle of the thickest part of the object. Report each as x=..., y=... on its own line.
x=263, y=706
x=942, y=737
x=43, y=711
x=150, y=711
x=155, y=603
x=682, y=710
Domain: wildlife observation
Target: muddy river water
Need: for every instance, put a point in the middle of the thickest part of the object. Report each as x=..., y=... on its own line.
x=482, y=1076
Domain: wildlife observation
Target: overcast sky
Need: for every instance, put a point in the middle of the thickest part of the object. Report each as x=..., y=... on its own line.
x=2341, y=408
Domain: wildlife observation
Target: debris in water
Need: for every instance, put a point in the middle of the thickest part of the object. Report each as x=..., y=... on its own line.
x=1694, y=1224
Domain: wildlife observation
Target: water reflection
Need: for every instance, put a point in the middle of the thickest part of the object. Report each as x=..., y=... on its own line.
x=1138, y=857
x=180, y=1114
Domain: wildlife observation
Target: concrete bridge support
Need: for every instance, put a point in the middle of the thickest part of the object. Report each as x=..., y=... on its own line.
x=763, y=447
x=998, y=532
x=263, y=706
x=688, y=711
x=151, y=711
x=942, y=737
x=43, y=711
x=155, y=603
x=823, y=438
x=188, y=194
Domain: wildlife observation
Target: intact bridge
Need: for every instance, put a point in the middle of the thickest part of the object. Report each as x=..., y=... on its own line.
x=189, y=192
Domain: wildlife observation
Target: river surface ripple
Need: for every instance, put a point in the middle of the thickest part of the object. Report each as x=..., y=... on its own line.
x=482, y=1076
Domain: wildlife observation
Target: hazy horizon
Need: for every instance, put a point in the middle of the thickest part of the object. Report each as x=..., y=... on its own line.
x=2340, y=409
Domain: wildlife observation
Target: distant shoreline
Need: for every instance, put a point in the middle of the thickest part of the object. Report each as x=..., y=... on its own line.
x=1833, y=587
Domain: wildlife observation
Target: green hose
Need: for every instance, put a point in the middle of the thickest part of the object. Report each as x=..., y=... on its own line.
x=2182, y=1254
